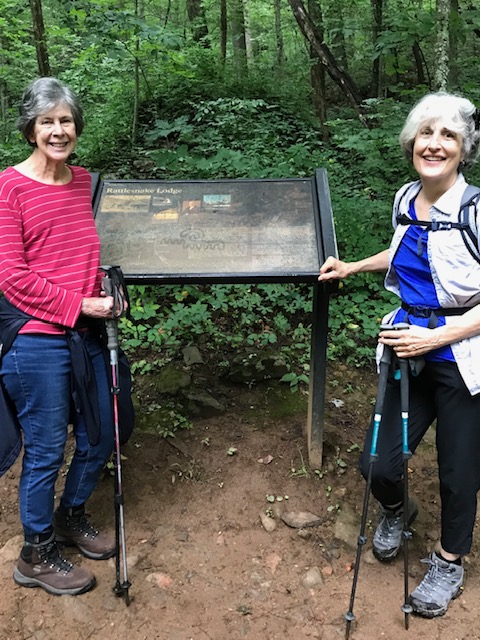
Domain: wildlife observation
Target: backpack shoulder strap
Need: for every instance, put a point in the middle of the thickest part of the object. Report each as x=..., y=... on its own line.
x=468, y=219
x=470, y=192
x=403, y=192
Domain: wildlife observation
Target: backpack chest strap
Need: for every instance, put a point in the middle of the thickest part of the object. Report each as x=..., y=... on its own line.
x=429, y=225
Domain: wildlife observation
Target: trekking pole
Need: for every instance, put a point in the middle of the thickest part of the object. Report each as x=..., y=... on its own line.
x=121, y=587
x=385, y=363
x=406, y=455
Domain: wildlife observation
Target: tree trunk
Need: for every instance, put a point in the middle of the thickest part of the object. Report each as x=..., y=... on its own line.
x=39, y=38
x=453, y=34
x=442, y=69
x=223, y=30
x=197, y=18
x=317, y=73
x=139, y=12
x=377, y=11
x=3, y=111
x=248, y=35
x=167, y=13
x=418, y=56
x=237, y=21
x=340, y=77
x=3, y=93
x=278, y=33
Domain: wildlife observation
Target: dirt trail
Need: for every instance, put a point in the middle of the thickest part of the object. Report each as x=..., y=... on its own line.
x=203, y=567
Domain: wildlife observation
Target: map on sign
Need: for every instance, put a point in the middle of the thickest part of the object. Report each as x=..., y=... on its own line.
x=212, y=228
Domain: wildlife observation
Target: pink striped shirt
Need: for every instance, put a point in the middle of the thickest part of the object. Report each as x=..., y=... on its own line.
x=49, y=248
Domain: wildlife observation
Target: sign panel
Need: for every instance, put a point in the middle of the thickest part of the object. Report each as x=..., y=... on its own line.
x=213, y=230
x=227, y=231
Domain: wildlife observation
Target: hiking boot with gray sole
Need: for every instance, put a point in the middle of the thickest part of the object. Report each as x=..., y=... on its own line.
x=41, y=565
x=388, y=538
x=442, y=583
x=72, y=527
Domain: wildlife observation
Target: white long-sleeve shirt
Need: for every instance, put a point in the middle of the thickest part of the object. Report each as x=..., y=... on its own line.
x=455, y=272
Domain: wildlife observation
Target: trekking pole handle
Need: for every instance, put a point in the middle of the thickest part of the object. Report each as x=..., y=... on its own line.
x=111, y=325
x=112, y=338
x=387, y=351
x=107, y=285
x=399, y=326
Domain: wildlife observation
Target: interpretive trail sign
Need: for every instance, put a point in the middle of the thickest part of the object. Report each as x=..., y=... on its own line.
x=235, y=231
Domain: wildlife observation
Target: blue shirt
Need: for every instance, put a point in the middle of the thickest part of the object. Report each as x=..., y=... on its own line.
x=416, y=283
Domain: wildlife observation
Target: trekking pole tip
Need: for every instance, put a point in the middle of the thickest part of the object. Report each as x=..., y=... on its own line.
x=407, y=610
x=121, y=591
x=349, y=617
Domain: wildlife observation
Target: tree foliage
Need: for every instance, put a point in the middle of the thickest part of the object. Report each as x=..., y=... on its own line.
x=211, y=89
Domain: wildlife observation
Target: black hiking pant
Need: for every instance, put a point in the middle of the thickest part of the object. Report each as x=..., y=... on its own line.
x=438, y=392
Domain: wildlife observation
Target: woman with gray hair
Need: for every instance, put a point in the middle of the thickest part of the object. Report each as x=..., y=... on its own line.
x=51, y=282
x=436, y=275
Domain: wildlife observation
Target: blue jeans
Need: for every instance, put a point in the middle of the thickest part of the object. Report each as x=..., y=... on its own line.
x=36, y=372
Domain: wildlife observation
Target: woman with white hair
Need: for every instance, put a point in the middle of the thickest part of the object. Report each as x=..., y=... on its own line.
x=436, y=275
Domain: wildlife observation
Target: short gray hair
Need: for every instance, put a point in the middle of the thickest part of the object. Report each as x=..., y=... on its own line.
x=42, y=95
x=454, y=112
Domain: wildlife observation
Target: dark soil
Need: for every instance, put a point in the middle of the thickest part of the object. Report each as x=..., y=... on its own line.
x=202, y=566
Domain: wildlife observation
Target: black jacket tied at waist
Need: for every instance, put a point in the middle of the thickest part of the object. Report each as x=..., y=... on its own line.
x=84, y=386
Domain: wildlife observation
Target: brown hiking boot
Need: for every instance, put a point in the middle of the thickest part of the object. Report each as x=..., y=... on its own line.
x=41, y=565
x=73, y=528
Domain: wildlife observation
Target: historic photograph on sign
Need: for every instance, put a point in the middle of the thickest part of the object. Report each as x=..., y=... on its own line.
x=236, y=227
